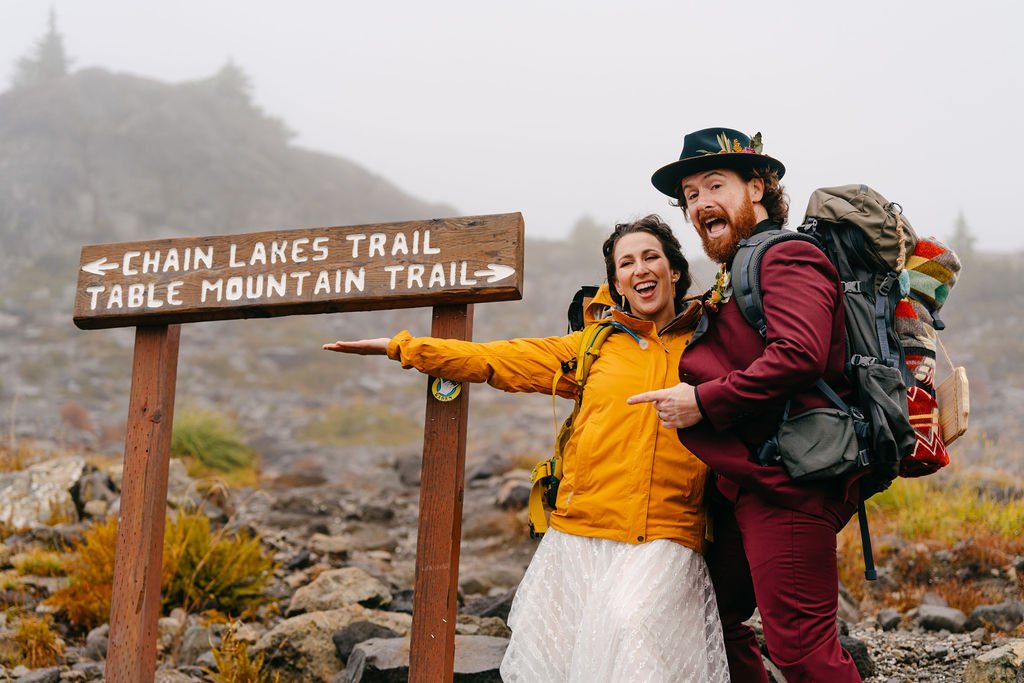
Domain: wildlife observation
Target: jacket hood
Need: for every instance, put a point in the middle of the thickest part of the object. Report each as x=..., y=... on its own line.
x=600, y=307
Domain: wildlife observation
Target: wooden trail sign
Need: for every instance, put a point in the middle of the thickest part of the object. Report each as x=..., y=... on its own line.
x=287, y=272
x=445, y=263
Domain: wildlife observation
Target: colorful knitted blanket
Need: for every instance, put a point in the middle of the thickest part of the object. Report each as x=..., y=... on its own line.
x=933, y=270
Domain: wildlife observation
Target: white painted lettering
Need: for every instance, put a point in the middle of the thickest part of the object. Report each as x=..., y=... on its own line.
x=253, y=286
x=357, y=280
x=232, y=260
x=427, y=249
x=95, y=292
x=216, y=286
x=136, y=295
x=202, y=258
x=172, y=292
x=116, y=297
x=377, y=240
x=151, y=261
x=320, y=247
x=151, y=300
x=323, y=283
x=436, y=276
x=126, y=266
x=299, y=278
x=354, y=239
x=233, y=288
x=394, y=270
x=297, y=251
x=415, y=241
x=277, y=251
x=415, y=275
x=463, y=278
x=400, y=245
x=259, y=254
x=171, y=260
x=276, y=287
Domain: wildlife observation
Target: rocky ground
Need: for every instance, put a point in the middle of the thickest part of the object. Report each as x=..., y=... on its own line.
x=342, y=598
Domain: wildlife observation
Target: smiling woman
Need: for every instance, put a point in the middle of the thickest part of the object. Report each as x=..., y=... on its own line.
x=618, y=589
x=646, y=265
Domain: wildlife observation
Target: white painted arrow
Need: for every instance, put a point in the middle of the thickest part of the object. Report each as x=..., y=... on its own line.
x=98, y=266
x=495, y=272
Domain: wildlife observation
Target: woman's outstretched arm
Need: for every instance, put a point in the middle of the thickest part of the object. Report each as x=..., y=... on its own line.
x=525, y=364
x=363, y=347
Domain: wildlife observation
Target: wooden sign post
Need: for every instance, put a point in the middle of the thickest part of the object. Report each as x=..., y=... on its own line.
x=157, y=285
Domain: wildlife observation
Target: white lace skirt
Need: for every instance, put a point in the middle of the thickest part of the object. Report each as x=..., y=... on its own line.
x=590, y=610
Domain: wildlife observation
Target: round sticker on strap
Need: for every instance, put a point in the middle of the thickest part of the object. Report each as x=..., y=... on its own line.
x=445, y=389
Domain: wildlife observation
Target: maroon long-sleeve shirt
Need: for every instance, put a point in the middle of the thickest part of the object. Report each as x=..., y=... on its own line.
x=743, y=380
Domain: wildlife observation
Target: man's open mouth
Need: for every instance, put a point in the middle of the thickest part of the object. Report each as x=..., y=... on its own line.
x=715, y=227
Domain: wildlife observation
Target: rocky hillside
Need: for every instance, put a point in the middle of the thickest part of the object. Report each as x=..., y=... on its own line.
x=98, y=157
x=102, y=157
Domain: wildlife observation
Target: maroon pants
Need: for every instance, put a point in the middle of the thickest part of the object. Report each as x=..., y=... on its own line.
x=783, y=562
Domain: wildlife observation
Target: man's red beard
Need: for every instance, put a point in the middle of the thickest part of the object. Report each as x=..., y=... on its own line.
x=741, y=226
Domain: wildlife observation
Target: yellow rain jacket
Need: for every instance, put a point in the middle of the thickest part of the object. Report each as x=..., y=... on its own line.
x=625, y=477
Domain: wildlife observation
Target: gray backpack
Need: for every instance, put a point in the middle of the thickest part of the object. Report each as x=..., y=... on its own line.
x=868, y=241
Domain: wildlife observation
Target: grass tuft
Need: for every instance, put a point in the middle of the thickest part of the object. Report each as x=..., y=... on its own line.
x=946, y=534
x=234, y=665
x=202, y=569
x=37, y=562
x=39, y=646
x=212, y=570
x=210, y=442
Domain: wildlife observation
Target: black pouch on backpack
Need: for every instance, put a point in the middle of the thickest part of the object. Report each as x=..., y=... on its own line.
x=818, y=444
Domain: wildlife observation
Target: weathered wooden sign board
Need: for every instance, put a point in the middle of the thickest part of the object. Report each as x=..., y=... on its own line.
x=155, y=285
x=319, y=270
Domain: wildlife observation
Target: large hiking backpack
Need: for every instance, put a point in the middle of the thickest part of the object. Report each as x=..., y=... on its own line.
x=547, y=473
x=870, y=243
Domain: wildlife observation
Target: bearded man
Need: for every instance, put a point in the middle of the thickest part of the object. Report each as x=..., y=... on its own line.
x=774, y=544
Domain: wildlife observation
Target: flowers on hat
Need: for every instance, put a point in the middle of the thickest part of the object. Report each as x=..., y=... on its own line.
x=734, y=146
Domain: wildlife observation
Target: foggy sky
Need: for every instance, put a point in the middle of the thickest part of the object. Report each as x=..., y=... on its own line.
x=565, y=108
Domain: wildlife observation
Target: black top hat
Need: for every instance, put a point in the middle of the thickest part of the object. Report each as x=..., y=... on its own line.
x=712, y=148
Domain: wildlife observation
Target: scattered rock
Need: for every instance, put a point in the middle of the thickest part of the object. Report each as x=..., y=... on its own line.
x=514, y=494
x=37, y=493
x=1002, y=665
x=337, y=588
x=302, y=649
x=408, y=467
x=858, y=650
x=47, y=675
x=356, y=632
x=1003, y=617
x=477, y=659
x=330, y=546
x=496, y=606
x=888, y=618
x=939, y=618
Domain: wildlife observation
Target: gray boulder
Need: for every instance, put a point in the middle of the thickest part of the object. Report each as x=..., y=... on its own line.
x=337, y=588
x=347, y=638
x=1005, y=616
x=1002, y=665
x=302, y=650
x=30, y=496
x=477, y=659
x=888, y=619
x=939, y=618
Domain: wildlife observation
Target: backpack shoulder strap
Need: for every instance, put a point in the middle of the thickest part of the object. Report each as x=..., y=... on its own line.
x=746, y=273
x=548, y=473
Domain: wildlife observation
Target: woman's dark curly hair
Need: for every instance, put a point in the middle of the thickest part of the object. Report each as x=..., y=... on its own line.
x=774, y=200
x=670, y=245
